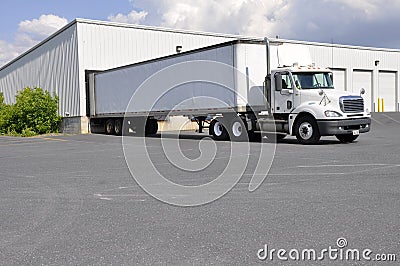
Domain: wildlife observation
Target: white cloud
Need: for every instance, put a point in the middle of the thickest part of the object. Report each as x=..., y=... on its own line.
x=133, y=17
x=42, y=27
x=29, y=33
x=250, y=17
x=359, y=22
x=7, y=52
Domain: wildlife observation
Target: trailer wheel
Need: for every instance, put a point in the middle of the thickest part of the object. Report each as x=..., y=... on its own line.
x=346, y=138
x=254, y=136
x=238, y=131
x=306, y=130
x=118, y=127
x=218, y=130
x=110, y=127
x=151, y=127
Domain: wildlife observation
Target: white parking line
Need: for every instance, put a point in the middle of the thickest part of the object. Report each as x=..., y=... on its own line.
x=391, y=118
x=342, y=165
x=373, y=119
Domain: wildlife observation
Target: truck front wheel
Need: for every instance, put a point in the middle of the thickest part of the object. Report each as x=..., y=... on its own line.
x=346, y=138
x=307, y=131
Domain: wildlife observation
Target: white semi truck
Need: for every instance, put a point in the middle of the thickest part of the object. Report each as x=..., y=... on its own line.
x=232, y=88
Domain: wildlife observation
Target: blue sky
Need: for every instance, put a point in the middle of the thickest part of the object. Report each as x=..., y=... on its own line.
x=15, y=11
x=23, y=23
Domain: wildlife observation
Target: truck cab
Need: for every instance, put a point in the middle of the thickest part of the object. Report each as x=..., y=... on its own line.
x=305, y=103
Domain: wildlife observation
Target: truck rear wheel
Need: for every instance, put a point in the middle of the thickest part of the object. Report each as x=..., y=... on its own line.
x=346, y=138
x=218, y=130
x=306, y=130
x=237, y=130
x=109, y=127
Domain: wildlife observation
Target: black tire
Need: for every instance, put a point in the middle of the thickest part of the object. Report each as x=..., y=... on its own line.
x=254, y=136
x=118, y=127
x=217, y=130
x=306, y=130
x=109, y=127
x=238, y=130
x=346, y=138
x=151, y=127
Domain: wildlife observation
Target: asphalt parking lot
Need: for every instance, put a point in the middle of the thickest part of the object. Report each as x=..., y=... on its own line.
x=72, y=200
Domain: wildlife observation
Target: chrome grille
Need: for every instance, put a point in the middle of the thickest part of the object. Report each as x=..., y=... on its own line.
x=352, y=104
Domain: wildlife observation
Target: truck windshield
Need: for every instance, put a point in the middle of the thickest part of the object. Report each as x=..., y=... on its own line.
x=313, y=80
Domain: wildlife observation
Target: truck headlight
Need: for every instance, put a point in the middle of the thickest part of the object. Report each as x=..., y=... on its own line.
x=332, y=114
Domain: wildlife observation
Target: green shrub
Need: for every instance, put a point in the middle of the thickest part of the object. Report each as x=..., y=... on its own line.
x=28, y=133
x=35, y=112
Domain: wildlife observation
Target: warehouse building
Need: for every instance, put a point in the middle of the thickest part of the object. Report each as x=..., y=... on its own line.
x=60, y=63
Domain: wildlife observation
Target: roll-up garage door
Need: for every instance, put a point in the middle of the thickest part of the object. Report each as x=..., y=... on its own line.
x=387, y=90
x=363, y=79
x=339, y=79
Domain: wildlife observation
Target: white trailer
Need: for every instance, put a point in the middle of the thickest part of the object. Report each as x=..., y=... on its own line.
x=231, y=86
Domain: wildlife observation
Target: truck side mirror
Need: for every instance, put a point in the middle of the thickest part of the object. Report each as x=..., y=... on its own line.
x=297, y=83
x=278, y=82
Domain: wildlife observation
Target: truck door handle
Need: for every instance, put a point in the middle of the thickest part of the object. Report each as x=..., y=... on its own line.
x=289, y=105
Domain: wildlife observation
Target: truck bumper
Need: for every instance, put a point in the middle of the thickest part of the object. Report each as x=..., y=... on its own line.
x=345, y=126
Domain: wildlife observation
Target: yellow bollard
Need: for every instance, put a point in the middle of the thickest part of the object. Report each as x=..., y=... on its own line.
x=379, y=105
x=383, y=105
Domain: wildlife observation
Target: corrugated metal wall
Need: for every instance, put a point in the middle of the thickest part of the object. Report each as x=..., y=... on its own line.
x=109, y=45
x=52, y=66
x=359, y=67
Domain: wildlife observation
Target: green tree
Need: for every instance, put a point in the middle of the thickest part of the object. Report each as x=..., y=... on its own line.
x=3, y=113
x=1, y=99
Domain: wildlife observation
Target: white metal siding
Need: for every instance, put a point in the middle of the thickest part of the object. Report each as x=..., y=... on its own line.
x=251, y=65
x=114, y=89
x=352, y=59
x=52, y=66
x=387, y=90
x=339, y=79
x=104, y=47
x=363, y=79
